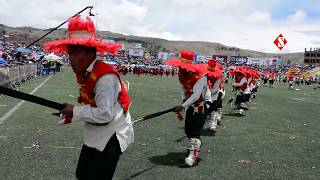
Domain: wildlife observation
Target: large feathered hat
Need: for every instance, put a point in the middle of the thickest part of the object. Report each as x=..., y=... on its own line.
x=81, y=32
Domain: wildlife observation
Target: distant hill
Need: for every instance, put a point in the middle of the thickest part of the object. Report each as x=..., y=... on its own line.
x=28, y=34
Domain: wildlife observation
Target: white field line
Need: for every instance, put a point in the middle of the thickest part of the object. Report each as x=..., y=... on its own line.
x=16, y=107
x=302, y=99
x=57, y=147
x=67, y=147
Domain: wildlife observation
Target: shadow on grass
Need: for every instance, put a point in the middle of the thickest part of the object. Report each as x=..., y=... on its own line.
x=180, y=139
x=206, y=132
x=233, y=115
x=141, y=172
x=171, y=159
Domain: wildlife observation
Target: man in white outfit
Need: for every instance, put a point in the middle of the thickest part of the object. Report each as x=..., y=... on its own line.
x=104, y=101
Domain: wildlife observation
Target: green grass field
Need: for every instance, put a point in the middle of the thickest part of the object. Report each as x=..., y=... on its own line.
x=279, y=136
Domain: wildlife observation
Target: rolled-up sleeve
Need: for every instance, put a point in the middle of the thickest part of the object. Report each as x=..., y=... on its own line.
x=106, y=91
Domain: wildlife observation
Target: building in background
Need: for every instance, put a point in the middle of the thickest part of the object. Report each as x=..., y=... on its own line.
x=312, y=56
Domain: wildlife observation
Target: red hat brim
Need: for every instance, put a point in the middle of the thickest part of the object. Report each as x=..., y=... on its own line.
x=217, y=73
x=61, y=46
x=239, y=71
x=181, y=64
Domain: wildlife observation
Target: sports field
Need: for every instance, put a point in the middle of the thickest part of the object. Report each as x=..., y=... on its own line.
x=277, y=139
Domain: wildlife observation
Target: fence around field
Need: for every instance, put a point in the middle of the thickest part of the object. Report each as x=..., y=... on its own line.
x=14, y=75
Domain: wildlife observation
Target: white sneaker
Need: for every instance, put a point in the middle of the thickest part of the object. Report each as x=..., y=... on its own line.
x=206, y=124
x=213, y=121
x=213, y=128
x=241, y=111
x=219, y=118
x=194, y=149
x=244, y=105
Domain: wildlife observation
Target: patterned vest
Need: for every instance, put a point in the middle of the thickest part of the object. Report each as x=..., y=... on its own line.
x=187, y=85
x=254, y=82
x=87, y=85
x=238, y=80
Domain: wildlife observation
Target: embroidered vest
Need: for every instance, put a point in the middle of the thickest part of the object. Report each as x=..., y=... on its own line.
x=187, y=85
x=238, y=80
x=86, y=93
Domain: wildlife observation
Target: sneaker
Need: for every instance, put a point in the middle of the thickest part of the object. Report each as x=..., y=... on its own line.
x=241, y=112
x=194, y=149
x=213, y=128
x=206, y=124
x=243, y=106
x=214, y=121
x=219, y=116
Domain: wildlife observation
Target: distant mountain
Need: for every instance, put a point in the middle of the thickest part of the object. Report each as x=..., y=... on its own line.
x=28, y=34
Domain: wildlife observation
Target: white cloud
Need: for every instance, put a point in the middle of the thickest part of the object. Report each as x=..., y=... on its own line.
x=246, y=24
x=206, y=3
x=259, y=17
x=128, y=18
x=297, y=17
x=112, y=15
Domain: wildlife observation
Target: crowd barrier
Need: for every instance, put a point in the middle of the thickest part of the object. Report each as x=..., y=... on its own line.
x=14, y=75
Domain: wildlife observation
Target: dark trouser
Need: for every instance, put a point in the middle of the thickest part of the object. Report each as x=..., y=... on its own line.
x=97, y=165
x=219, y=100
x=246, y=97
x=239, y=99
x=265, y=81
x=214, y=105
x=254, y=90
x=271, y=82
x=210, y=107
x=194, y=123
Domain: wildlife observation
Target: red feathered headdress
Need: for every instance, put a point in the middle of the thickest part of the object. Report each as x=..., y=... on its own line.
x=83, y=33
x=214, y=69
x=185, y=61
x=239, y=70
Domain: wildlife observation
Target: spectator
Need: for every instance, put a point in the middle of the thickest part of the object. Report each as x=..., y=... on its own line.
x=3, y=62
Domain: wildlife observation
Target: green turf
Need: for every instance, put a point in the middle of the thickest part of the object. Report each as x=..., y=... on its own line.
x=279, y=136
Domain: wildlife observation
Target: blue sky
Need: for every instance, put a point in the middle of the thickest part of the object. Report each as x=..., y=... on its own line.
x=283, y=8
x=249, y=24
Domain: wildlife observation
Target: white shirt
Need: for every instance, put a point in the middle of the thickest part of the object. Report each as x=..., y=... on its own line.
x=199, y=89
x=108, y=110
x=215, y=90
x=208, y=94
x=250, y=85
